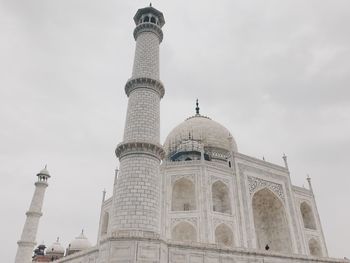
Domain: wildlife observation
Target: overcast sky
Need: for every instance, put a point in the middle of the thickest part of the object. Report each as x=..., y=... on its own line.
x=275, y=73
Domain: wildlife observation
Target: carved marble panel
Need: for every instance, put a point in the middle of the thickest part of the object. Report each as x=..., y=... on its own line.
x=190, y=177
x=256, y=184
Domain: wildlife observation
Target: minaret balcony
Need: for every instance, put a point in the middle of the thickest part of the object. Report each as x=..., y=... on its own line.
x=34, y=214
x=148, y=83
x=127, y=148
x=148, y=27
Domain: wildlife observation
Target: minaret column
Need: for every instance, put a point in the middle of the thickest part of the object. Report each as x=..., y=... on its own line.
x=136, y=204
x=27, y=242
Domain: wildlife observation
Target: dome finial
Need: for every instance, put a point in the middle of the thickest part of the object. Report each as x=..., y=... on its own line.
x=150, y=4
x=197, y=107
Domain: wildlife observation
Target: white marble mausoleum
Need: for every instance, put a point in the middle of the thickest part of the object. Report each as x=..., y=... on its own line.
x=193, y=199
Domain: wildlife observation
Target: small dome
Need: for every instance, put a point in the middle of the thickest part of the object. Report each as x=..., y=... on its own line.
x=55, y=248
x=209, y=133
x=44, y=172
x=79, y=243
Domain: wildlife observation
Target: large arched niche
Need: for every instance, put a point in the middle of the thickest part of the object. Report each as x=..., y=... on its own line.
x=307, y=215
x=184, y=231
x=221, y=198
x=105, y=222
x=270, y=222
x=315, y=248
x=224, y=235
x=183, y=195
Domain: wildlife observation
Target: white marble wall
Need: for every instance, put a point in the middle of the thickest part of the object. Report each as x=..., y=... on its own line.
x=246, y=177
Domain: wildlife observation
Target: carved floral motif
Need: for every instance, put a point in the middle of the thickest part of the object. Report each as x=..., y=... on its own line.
x=256, y=184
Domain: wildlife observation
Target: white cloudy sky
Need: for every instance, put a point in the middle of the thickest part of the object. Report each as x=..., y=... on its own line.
x=275, y=73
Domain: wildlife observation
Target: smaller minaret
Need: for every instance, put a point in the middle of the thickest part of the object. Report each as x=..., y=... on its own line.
x=27, y=242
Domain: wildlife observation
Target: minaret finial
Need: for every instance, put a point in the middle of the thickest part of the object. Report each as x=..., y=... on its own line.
x=284, y=157
x=103, y=195
x=197, y=107
x=308, y=178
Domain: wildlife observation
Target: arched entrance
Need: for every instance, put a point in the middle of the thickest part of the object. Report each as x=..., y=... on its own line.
x=221, y=198
x=270, y=222
x=308, y=216
x=315, y=248
x=184, y=232
x=223, y=235
x=183, y=195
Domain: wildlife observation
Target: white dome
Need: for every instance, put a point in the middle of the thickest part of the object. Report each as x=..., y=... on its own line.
x=200, y=128
x=55, y=248
x=44, y=172
x=79, y=243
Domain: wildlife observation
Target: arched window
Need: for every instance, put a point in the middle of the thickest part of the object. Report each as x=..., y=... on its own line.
x=221, y=198
x=188, y=159
x=314, y=247
x=184, y=232
x=105, y=221
x=183, y=196
x=153, y=20
x=146, y=19
x=270, y=222
x=308, y=216
x=223, y=235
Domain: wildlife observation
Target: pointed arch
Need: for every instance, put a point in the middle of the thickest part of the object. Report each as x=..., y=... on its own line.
x=183, y=195
x=105, y=222
x=184, y=231
x=221, y=197
x=307, y=215
x=315, y=248
x=224, y=235
x=270, y=221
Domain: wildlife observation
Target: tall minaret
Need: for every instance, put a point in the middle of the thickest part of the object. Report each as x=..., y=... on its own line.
x=136, y=204
x=27, y=242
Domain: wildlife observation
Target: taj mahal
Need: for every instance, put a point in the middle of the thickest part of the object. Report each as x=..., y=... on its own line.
x=193, y=199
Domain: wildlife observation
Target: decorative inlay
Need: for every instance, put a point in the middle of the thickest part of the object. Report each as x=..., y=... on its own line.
x=135, y=233
x=218, y=221
x=127, y=148
x=256, y=184
x=216, y=178
x=148, y=27
x=147, y=83
x=192, y=220
x=217, y=153
x=174, y=178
